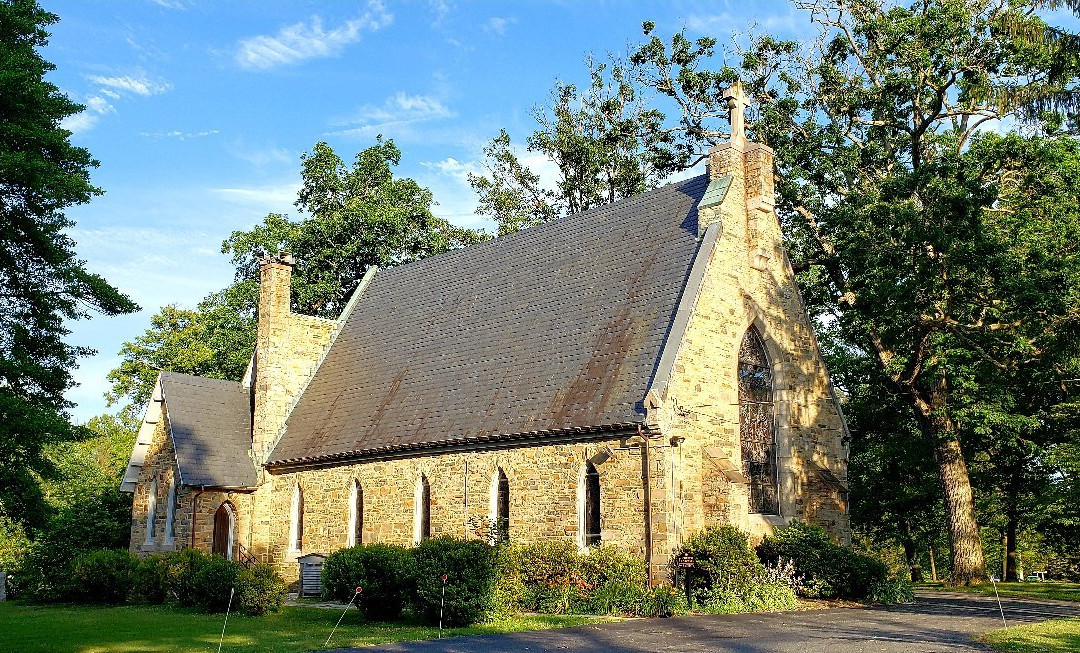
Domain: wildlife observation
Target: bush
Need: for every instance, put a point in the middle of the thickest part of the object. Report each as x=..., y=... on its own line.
x=180, y=571
x=151, y=579
x=828, y=570
x=383, y=571
x=213, y=583
x=727, y=576
x=105, y=576
x=892, y=590
x=259, y=590
x=553, y=577
x=469, y=569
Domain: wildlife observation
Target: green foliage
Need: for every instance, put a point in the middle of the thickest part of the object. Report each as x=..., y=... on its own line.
x=213, y=583
x=14, y=545
x=828, y=570
x=605, y=140
x=553, y=577
x=891, y=590
x=469, y=570
x=259, y=590
x=105, y=576
x=383, y=571
x=727, y=576
x=43, y=284
x=181, y=569
x=152, y=579
x=215, y=340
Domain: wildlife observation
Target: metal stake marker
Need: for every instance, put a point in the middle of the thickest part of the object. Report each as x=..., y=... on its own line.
x=358, y=590
x=232, y=590
x=442, y=604
x=1002, y=610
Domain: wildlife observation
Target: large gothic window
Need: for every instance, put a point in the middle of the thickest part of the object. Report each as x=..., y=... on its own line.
x=500, y=507
x=591, y=506
x=757, y=431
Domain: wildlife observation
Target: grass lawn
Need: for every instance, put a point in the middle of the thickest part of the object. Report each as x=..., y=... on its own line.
x=1046, y=637
x=1048, y=590
x=127, y=629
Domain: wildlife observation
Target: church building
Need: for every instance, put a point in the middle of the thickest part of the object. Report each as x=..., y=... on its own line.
x=624, y=376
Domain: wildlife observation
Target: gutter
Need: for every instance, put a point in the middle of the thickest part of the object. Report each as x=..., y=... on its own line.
x=499, y=441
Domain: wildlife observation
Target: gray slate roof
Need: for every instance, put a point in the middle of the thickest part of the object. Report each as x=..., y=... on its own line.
x=557, y=327
x=210, y=423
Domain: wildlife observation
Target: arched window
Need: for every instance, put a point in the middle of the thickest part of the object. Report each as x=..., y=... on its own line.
x=757, y=431
x=224, y=531
x=356, y=515
x=422, y=510
x=170, y=513
x=500, y=506
x=296, y=523
x=151, y=509
x=589, y=506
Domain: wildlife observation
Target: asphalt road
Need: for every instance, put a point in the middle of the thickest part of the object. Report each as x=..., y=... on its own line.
x=936, y=622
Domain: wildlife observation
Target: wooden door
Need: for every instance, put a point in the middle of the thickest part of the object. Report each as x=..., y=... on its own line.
x=222, y=528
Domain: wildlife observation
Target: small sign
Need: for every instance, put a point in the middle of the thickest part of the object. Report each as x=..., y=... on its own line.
x=686, y=560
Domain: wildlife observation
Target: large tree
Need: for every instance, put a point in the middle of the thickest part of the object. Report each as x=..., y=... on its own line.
x=351, y=218
x=900, y=228
x=605, y=140
x=42, y=282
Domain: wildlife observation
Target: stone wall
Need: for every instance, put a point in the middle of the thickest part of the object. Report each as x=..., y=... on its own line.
x=544, y=503
x=749, y=282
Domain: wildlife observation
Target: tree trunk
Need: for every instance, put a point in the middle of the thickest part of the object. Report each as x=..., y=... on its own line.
x=933, y=565
x=1010, y=549
x=911, y=553
x=969, y=566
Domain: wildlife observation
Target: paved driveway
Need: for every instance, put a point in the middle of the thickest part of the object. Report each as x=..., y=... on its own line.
x=936, y=622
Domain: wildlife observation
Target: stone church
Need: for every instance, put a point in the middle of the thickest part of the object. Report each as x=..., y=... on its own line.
x=628, y=376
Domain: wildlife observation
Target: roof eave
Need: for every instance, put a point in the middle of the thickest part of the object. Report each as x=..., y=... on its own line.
x=546, y=437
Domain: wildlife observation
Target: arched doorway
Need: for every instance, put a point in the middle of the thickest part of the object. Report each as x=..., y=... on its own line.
x=224, y=529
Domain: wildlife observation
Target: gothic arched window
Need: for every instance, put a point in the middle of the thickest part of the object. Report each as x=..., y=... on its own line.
x=422, y=510
x=151, y=511
x=296, y=523
x=500, y=506
x=356, y=515
x=757, y=431
x=591, y=505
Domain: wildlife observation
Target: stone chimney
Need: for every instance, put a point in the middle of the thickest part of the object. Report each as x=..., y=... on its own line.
x=741, y=192
x=272, y=353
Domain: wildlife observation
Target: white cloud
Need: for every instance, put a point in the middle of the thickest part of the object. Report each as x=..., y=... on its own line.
x=170, y=4
x=80, y=122
x=109, y=94
x=278, y=197
x=440, y=8
x=396, y=115
x=98, y=104
x=261, y=157
x=139, y=85
x=711, y=24
x=183, y=136
x=310, y=40
x=497, y=25
x=451, y=167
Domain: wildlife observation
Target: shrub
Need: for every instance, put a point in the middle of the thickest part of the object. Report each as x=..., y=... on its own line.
x=828, y=570
x=105, y=576
x=213, y=583
x=151, y=579
x=727, y=576
x=385, y=572
x=469, y=569
x=259, y=590
x=553, y=577
x=180, y=571
x=892, y=590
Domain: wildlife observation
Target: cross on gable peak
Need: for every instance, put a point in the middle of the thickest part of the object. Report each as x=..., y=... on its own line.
x=737, y=101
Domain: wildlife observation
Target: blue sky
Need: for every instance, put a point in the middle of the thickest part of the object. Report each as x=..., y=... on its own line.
x=198, y=111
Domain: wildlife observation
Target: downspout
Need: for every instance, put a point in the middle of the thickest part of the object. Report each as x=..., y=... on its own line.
x=647, y=478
